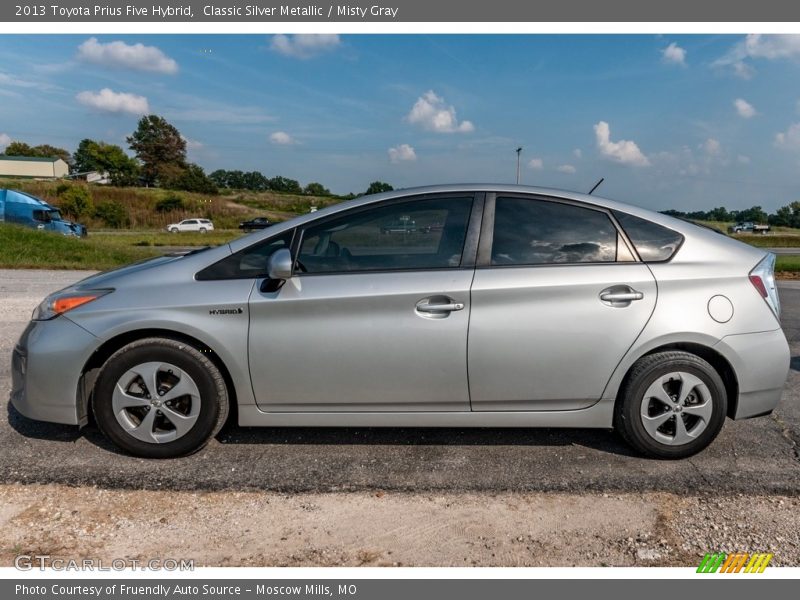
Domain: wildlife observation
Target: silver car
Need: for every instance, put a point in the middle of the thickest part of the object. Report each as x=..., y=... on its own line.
x=505, y=306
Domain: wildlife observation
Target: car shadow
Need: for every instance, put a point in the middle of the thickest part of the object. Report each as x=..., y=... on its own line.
x=56, y=432
x=794, y=363
x=231, y=434
x=603, y=440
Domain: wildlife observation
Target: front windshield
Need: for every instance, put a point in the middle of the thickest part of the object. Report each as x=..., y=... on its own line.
x=54, y=215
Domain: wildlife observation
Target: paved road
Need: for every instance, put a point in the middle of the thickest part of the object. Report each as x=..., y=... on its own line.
x=784, y=251
x=758, y=456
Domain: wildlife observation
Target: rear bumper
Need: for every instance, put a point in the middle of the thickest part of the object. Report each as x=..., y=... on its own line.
x=761, y=364
x=46, y=366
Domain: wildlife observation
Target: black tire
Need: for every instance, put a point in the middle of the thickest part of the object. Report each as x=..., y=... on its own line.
x=213, y=393
x=203, y=230
x=628, y=420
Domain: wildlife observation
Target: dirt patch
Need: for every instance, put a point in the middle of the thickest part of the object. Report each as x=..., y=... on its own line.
x=392, y=529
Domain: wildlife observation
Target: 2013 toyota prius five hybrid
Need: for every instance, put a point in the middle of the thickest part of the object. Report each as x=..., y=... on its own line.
x=494, y=306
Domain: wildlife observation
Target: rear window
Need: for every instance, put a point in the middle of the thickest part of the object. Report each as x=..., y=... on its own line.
x=653, y=242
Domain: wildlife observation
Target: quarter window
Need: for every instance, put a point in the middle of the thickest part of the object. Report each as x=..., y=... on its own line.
x=537, y=232
x=421, y=234
x=653, y=242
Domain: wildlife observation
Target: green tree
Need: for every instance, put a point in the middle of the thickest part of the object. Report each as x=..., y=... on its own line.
x=255, y=181
x=191, y=178
x=754, y=214
x=220, y=178
x=316, y=189
x=376, y=187
x=284, y=184
x=160, y=148
x=17, y=148
x=106, y=158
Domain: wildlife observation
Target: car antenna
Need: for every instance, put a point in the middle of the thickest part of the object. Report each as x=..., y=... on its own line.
x=597, y=185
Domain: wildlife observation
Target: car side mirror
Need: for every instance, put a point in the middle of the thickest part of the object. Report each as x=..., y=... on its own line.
x=279, y=266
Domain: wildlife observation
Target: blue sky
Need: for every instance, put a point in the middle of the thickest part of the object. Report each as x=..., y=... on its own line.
x=686, y=122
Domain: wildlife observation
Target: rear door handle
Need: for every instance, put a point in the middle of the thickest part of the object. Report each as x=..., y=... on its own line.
x=621, y=296
x=434, y=308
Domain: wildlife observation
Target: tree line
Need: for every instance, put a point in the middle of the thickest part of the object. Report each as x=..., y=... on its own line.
x=160, y=161
x=785, y=216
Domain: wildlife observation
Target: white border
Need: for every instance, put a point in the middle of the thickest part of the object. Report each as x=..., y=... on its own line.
x=194, y=27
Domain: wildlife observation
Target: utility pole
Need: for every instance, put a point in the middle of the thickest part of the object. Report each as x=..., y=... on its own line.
x=519, y=151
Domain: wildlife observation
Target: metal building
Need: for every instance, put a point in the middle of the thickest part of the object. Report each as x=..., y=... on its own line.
x=32, y=166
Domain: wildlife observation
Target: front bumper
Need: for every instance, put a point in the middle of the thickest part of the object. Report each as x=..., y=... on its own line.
x=761, y=364
x=46, y=367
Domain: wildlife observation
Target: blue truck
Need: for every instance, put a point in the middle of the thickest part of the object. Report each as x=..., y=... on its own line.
x=23, y=209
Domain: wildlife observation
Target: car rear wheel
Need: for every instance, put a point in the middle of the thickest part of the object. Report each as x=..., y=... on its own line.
x=672, y=405
x=160, y=398
x=174, y=230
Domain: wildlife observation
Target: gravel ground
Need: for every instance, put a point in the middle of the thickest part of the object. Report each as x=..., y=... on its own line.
x=393, y=529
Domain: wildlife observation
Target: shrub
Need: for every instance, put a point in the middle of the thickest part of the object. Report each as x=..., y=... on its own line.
x=113, y=214
x=76, y=202
x=169, y=203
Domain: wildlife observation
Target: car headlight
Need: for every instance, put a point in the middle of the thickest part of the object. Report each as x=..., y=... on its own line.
x=62, y=302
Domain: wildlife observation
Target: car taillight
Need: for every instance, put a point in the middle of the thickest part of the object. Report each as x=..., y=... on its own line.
x=763, y=279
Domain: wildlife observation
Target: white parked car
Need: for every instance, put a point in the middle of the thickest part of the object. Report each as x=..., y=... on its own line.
x=201, y=225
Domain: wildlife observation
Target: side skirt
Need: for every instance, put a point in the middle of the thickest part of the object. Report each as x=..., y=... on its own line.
x=598, y=416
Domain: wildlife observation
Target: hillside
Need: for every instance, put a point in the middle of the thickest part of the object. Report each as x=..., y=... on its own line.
x=140, y=204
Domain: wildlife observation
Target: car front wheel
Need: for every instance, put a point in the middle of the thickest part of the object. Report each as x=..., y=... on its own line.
x=160, y=398
x=672, y=405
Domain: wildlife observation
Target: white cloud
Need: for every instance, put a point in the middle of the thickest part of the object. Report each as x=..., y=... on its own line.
x=674, y=55
x=758, y=46
x=402, y=153
x=108, y=100
x=789, y=139
x=578, y=153
x=127, y=56
x=566, y=169
x=304, y=45
x=742, y=70
x=537, y=164
x=744, y=108
x=771, y=47
x=743, y=160
x=281, y=138
x=712, y=147
x=624, y=152
x=5, y=140
x=432, y=113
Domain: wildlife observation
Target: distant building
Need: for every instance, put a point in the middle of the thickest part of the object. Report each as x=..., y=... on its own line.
x=99, y=178
x=32, y=166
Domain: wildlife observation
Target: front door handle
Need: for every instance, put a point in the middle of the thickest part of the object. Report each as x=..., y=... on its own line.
x=434, y=308
x=620, y=295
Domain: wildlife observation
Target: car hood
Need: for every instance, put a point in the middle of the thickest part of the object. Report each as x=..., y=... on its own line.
x=107, y=278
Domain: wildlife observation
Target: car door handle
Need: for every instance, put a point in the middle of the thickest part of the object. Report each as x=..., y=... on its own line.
x=434, y=308
x=621, y=296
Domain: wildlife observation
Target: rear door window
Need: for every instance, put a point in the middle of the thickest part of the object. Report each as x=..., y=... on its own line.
x=529, y=231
